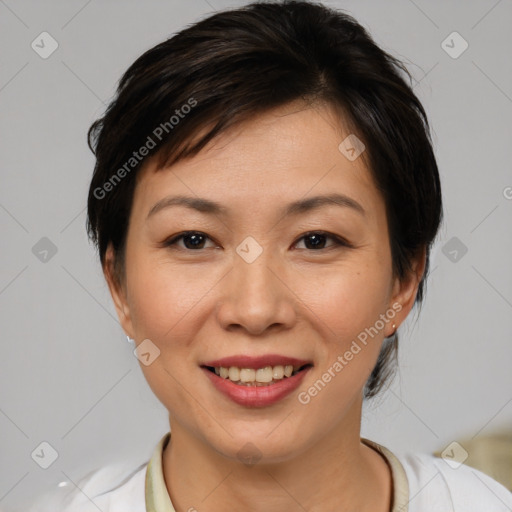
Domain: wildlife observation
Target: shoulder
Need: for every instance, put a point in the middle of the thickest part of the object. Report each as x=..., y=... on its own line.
x=112, y=488
x=435, y=484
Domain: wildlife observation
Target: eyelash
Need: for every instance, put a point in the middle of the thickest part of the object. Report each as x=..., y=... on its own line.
x=338, y=241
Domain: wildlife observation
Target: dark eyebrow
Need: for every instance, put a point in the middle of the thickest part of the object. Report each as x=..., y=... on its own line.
x=312, y=203
x=194, y=203
x=295, y=208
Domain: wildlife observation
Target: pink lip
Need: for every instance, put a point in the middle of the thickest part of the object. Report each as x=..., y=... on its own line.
x=256, y=396
x=256, y=362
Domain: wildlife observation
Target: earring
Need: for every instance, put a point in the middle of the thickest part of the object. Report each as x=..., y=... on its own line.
x=130, y=340
x=394, y=330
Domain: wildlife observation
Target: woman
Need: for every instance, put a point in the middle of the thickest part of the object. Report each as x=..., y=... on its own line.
x=264, y=202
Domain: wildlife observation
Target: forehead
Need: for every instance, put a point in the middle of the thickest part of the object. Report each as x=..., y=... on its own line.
x=279, y=156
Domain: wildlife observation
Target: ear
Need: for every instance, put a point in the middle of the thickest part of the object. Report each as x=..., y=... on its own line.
x=405, y=289
x=117, y=290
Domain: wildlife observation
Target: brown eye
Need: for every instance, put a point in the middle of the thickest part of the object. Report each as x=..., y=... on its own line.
x=191, y=240
x=196, y=240
x=316, y=240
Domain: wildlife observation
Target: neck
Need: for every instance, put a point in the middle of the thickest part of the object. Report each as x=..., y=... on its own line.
x=337, y=472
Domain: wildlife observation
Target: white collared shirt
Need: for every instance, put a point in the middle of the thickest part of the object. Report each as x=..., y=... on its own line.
x=421, y=483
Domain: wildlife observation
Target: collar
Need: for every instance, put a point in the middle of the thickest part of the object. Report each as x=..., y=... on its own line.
x=158, y=499
x=157, y=496
x=400, y=501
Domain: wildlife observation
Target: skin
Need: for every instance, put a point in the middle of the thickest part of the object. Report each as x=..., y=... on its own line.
x=201, y=304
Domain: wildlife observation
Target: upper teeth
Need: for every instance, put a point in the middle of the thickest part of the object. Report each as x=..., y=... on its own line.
x=266, y=374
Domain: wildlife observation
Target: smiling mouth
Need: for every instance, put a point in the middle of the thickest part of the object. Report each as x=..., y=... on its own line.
x=265, y=376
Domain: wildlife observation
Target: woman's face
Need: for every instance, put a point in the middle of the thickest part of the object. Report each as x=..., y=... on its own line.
x=314, y=284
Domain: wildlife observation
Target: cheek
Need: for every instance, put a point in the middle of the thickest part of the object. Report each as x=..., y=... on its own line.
x=164, y=304
x=163, y=298
x=348, y=299
x=346, y=314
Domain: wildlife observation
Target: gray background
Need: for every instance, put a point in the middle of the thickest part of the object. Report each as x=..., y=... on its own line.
x=67, y=375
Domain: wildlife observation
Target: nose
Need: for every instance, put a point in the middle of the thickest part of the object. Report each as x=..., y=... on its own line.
x=256, y=297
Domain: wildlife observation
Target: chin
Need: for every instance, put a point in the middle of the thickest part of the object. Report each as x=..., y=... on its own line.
x=254, y=445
